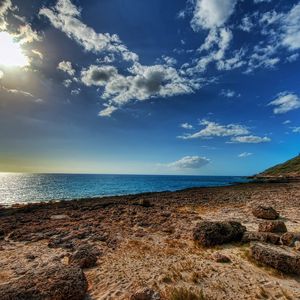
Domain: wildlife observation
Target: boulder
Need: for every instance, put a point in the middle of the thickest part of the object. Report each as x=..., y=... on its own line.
x=145, y=202
x=272, y=226
x=289, y=238
x=216, y=233
x=84, y=257
x=263, y=212
x=267, y=237
x=57, y=282
x=145, y=294
x=281, y=258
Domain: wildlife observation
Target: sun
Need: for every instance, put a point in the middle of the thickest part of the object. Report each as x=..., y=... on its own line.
x=11, y=53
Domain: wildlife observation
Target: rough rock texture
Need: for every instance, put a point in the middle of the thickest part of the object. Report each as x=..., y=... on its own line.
x=262, y=212
x=272, y=226
x=289, y=238
x=84, y=257
x=145, y=294
x=221, y=258
x=280, y=258
x=216, y=233
x=55, y=282
x=267, y=237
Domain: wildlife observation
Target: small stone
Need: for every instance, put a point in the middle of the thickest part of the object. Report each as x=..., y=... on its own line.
x=59, y=217
x=297, y=245
x=289, y=238
x=221, y=258
x=267, y=237
x=272, y=226
x=263, y=212
x=145, y=294
x=144, y=203
x=84, y=257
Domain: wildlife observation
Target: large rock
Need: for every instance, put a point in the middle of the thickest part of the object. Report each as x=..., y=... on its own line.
x=55, y=282
x=267, y=237
x=281, y=258
x=84, y=257
x=145, y=294
x=262, y=212
x=272, y=226
x=216, y=233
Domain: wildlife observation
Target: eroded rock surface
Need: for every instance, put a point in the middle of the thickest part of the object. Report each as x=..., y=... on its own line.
x=272, y=226
x=263, y=212
x=281, y=258
x=57, y=282
x=216, y=233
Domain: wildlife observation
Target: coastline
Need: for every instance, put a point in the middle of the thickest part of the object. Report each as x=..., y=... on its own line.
x=145, y=240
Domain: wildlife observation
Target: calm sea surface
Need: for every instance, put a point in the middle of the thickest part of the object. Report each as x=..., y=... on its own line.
x=23, y=188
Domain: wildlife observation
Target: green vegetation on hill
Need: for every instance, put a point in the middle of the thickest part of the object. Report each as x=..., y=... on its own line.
x=289, y=168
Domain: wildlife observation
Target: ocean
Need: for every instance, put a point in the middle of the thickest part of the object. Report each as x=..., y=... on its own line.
x=26, y=188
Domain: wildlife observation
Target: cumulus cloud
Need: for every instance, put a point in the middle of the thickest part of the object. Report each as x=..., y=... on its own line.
x=250, y=139
x=5, y=6
x=107, y=111
x=285, y=102
x=186, y=126
x=212, y=13
x=66, y=17
x=213, y=129
x=245, y=154
x=66, y=66
x=142, y=83
x=188, y=162
x=291, y=28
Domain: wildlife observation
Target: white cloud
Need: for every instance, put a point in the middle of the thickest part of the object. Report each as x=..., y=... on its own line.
x=213, y=129
x=285, y=102
x=229, y=93
x=291, y=28
x=67, y=82
x=142, y=83
x=212, y=13
x=286, y=122
x=107, y=111
x=260, y=1
x=66, y=66
x=245, y=154
x=5, y=6
x=247, y=24
x=75, y=92
x=188, y=162
x=186, y=126
x=296, y=129
x=66, y=17
x=250, y=139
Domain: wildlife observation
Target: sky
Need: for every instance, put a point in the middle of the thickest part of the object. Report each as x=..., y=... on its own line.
x=195, y=87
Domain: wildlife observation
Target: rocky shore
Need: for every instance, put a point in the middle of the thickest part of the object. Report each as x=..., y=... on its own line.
x=237, y=242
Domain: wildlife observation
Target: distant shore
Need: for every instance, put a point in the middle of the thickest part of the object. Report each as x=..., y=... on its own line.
x=145, y=240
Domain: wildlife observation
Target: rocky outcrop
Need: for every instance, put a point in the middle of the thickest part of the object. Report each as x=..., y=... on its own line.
x=57, y=282
x=262, y=212
x=272, y=226
x=84, y=257
x=216, y=233
x=145, y=294
x=267, y=237
x=281, y=258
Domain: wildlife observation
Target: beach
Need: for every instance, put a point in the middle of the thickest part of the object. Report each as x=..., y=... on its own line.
x=146, y=241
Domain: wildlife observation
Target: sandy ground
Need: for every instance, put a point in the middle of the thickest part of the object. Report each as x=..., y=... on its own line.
x=153, y=246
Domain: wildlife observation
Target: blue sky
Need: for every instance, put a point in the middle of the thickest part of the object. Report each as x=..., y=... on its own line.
x=206, y=87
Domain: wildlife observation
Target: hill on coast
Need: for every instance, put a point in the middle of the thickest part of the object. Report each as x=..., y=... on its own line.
x=290, y=168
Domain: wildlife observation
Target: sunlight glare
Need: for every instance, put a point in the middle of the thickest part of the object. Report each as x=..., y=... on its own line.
x=11, y=53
